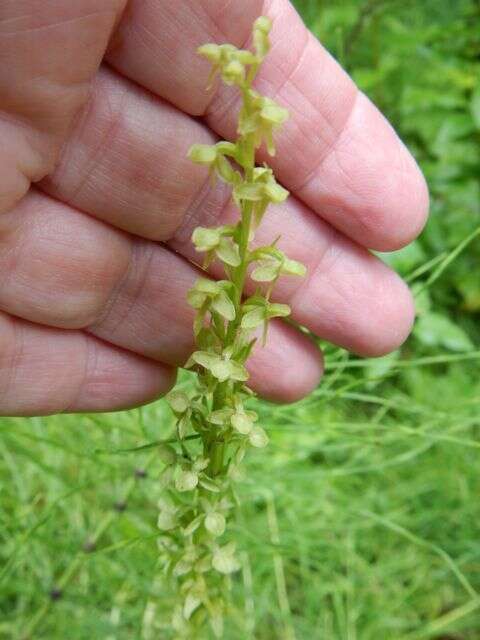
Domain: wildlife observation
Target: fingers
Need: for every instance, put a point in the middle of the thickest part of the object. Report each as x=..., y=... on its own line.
x=44, y=370
x=49, y=50
x=337, y=153
x=69, y=270
x=350, y=297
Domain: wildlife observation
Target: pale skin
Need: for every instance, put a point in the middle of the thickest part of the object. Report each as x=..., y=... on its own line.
x=99, y=102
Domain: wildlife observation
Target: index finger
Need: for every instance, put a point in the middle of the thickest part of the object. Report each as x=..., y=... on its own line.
x=337, y=152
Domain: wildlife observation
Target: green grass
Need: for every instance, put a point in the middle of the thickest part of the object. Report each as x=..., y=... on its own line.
x=361, y=520
x=373, y=485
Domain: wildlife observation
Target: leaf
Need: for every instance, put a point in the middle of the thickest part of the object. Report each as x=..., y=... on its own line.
x=186, y=480
x=258, y=438
x=215, y=523
x=434, y=329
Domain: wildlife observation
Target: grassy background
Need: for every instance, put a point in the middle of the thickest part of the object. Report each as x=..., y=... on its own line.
x=361, y=521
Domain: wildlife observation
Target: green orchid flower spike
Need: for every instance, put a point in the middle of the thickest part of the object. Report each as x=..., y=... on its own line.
x=213, y=425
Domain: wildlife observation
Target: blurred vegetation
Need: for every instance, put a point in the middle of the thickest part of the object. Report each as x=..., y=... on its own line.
x=361, y=522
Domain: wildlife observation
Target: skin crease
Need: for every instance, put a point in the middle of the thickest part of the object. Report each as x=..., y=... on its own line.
x=99, y=103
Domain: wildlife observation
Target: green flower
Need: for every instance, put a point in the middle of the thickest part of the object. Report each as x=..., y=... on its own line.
x=207, y=293
x=262, y=118
x=229, y=61
x=220, y=366
x=214, y=157
x=257, y=311
x=217, y=242
x=261, y=191
x=272, y=263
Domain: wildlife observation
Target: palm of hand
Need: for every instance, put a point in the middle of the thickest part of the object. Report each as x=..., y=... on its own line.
x=98, y=200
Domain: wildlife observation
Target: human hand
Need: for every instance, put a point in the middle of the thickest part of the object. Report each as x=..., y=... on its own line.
x=99, y=103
